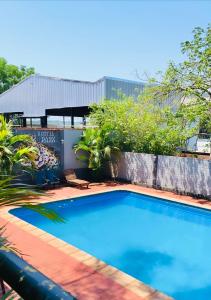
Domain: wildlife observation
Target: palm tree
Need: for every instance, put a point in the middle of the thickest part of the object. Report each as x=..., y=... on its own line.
x=13, y=193
x=15, y=150
x=95, y=148
x=16, y=194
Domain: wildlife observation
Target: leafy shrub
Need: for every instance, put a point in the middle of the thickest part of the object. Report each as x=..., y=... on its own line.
x=95, y=148
x=144, y=125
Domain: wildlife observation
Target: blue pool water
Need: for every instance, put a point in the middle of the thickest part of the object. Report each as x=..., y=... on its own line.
x=164, y=244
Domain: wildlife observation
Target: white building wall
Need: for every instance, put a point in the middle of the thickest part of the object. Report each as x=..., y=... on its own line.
x=37, y=93
x=71, y=137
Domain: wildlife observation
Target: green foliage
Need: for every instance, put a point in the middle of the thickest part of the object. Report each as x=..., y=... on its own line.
x=11, y=74
x=13, y=193
x=10, y=295
x=16, y=150
x=94, y=148
x=144, y=125
x=165, y=115
x=190, y=81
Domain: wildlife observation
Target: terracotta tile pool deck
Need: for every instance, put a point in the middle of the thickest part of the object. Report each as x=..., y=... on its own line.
x=84, y=276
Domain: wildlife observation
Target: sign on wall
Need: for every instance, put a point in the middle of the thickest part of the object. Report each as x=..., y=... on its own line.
x=50, y=145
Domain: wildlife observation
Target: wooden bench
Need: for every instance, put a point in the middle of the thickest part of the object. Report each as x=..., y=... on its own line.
x=72, y=179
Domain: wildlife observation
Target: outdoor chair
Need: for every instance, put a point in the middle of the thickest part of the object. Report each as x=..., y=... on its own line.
x=72, y=179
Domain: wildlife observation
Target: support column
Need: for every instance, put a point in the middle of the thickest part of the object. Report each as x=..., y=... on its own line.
x=6, y=116
x=23, y=122
x=44, y=122
x=72, y=120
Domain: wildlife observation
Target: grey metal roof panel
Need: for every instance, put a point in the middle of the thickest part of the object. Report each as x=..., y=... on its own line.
x=127, y=87
x=37, y=93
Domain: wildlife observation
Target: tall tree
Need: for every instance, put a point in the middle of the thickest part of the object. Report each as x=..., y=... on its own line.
x=190, y=80
x=11, y=74
x=141, y=126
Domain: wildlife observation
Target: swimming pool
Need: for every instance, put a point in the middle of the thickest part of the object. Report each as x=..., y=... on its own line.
x=164, y=244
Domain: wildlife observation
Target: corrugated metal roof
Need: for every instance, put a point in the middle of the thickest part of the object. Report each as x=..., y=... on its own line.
x=128, y=87
x=37, y=93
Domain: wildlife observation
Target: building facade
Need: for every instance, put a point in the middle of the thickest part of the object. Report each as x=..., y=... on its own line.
x=39, y=97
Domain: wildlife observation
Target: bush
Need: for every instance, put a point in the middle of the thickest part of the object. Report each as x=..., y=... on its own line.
x=144, y=125
x=94, y=148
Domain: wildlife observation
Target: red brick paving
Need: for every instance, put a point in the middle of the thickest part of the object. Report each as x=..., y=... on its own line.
x=73, y=276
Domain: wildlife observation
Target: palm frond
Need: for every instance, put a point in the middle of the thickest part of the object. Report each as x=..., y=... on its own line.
x=45, y=212
x=4, y=243
x=11, y=295
x=95, y=144
x=16, y=194
x=20, y=138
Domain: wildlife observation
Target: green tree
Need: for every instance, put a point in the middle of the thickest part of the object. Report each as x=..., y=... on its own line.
x=189, y=82
x=11, y=74
x=143, y=125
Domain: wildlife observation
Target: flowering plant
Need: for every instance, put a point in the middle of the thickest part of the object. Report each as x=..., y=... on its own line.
x=45, y=157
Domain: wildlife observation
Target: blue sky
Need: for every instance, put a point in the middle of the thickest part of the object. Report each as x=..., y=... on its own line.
x=89, y=39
